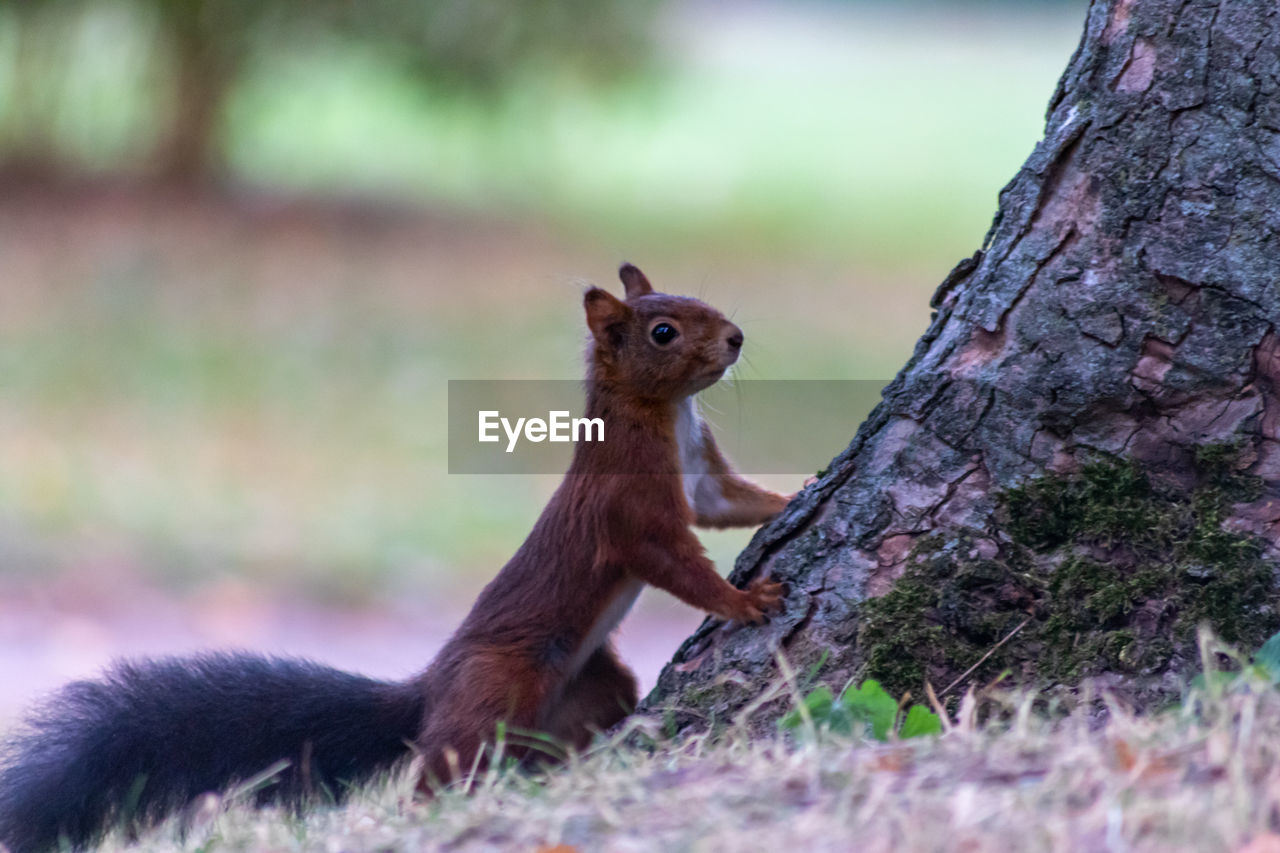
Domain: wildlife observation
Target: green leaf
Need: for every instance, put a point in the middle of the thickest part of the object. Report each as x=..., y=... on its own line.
x=920, y=721
x=1268, y=658
x=870, y=703
x=867, y=705
x=818, y=704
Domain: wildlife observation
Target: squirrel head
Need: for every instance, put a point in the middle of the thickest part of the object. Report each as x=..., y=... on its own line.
x=655, y=345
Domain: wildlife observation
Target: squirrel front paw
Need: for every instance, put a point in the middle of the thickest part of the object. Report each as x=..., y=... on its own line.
x=762, y=597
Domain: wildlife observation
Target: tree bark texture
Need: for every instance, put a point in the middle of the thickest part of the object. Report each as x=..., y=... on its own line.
x=1080, y=459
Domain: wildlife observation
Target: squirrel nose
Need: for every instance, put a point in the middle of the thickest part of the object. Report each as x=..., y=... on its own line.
x=735, y=338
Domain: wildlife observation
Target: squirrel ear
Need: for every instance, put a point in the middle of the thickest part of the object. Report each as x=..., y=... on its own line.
x=634, y=281
x=604, y=312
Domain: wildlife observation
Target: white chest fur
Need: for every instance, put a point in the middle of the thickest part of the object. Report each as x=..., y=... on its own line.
x=701, y=486
x=693, y=462
x=609, y=619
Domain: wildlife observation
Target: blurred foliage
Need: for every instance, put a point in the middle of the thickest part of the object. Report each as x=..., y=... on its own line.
x=192, y=53
x=753, y=127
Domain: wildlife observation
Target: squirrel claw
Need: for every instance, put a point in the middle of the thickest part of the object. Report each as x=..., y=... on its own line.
x=761, y=598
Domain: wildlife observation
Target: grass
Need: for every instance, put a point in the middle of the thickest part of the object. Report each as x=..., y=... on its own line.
x=1007, y=775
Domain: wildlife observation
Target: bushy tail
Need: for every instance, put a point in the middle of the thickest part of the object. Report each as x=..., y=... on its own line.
x=149, y=737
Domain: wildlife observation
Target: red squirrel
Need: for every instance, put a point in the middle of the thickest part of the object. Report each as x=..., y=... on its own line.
x=533, y=655
x=534, y=650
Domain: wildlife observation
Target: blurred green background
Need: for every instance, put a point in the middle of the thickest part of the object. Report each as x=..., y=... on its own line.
x=244, y=245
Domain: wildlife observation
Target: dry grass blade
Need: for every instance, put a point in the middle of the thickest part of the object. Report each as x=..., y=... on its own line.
x=938, y=708
x=1007, y=778
x=1202, y=780
x=982, y=659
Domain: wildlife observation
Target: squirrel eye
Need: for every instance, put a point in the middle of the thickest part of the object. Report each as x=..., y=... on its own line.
x=664, y=333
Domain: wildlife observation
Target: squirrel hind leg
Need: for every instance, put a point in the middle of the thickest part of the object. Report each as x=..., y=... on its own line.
x=599, y=697
x=456, y=747
x=491, y=691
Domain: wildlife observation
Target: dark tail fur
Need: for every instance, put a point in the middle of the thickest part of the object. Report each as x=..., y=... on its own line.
x=151, y=736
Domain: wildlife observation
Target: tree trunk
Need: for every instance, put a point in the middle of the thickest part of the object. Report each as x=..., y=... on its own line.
x=1079, y=464
x=204, y=61
x=37, y=81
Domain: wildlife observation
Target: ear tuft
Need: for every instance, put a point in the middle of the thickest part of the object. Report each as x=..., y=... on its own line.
x=604, y=312
x=634, y=281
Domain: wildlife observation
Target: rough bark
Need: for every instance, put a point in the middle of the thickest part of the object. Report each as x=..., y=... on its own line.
x=1098, y=383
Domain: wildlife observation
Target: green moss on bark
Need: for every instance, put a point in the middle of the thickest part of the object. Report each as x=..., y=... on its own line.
x=1111, y=572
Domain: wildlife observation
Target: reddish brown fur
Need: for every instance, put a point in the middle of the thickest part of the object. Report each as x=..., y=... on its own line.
x=740, y=503
x=532, y=652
